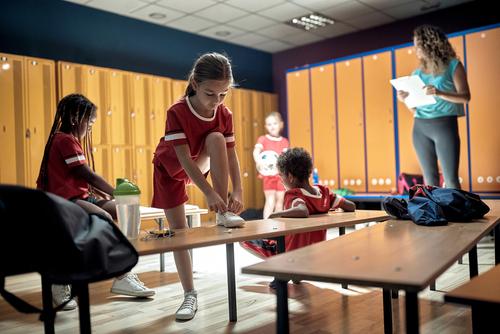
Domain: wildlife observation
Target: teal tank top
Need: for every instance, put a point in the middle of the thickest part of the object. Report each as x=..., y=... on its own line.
x=443, y=82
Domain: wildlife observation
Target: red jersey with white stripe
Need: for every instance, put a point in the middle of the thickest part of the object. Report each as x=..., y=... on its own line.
x=270, y=143
x=321, y=202
x=65, y=154
x=186, y=126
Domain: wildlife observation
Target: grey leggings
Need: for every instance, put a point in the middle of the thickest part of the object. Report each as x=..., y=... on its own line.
x=434, y=139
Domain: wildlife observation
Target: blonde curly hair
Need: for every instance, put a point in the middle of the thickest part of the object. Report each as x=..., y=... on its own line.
x=436, y=48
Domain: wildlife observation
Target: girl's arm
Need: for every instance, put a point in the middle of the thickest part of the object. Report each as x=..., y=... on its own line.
x=402, y=95
x=462, y=95
x=348, y=206
x=256, y=151
x=298, y=211
x=214, y=201
x=94, y=179
x=236, y=199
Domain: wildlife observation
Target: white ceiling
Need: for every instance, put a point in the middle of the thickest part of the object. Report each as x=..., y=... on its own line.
x=259, y=24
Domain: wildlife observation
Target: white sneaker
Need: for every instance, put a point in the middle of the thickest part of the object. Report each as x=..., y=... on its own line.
x=130, y=285
x=229, y=219
x=61, y=294
x=188, y=308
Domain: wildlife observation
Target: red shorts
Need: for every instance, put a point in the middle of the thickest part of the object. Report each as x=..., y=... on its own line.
x=168, y=192
x=273, y=183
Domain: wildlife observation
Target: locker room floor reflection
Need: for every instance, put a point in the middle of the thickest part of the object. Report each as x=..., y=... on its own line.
x=314, y=307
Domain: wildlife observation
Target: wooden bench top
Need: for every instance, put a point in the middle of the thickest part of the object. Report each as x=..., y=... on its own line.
x=255, y=229
x=393, y=254
x=484, y=288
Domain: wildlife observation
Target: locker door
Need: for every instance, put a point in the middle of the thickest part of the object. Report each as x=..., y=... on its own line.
x=117, y=102
x=406, y=63
x=40, y=109
x=250, y=180
x=463, y=169
x=483, y=68
x=178, y=89
x=96, y=92
x=71, y=79
x=257, y=123
x=11, y=119
x=143, y=170
x=299, y=117
x=324, y=124
x=351, y=124
x=161, y=101
x=121, y=162
x=102, y=161
x=139, y=94
x=379, y=115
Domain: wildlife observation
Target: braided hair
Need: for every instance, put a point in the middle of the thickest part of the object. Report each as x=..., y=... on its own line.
x=72, y=111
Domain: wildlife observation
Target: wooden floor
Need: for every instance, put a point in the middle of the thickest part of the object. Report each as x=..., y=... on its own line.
x=314, y=307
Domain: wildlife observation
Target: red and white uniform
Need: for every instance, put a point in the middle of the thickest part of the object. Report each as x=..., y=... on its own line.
x=278, y=145
x=184, y=126
x=321, y=202
x=65, y=154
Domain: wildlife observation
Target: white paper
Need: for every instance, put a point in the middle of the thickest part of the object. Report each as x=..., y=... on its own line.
x=415, y=87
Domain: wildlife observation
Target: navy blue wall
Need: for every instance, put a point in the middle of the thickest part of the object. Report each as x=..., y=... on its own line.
x=61, y=30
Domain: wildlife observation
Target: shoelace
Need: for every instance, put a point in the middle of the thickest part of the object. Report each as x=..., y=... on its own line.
x=188, y=302
x=135, y=278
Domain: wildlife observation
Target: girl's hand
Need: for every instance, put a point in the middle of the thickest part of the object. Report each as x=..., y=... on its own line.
x=216, y=203
x=431, y=90
x=402, y=95
x=236, y=202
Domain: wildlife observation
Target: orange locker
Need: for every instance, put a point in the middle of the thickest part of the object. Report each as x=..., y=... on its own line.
x=11, y=119
x=463, y=169
x=406, y=63
x=379, y=117
x=71, y=79
x=257, y=124
x=483, y=68
x=121, y=163
x=95, y=91
x=39, y=111
x=116, y=106
x=161, y=100
x=178, y=89
x=351, y=124
x=102, y=160
x=299, y=111
x=143, y=173
x=139, y=87
x=324, y=124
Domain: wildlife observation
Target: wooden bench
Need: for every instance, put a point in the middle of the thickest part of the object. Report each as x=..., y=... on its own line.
x=257, y=229
x=482, y=293
x=394, y=255
x=193, y=218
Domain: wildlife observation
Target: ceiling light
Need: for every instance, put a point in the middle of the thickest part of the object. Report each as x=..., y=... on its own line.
x=430, y=6
x=157, y=16
x=223, y=33
x=310, y=21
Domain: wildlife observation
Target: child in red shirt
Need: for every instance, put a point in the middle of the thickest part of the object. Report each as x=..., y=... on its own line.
x=198, y=139
x=301, y=200
x=271, y=145
x=65, y=172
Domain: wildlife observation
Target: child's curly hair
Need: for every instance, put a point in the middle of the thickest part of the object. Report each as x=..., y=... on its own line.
x=297, y=162
x=436, y=48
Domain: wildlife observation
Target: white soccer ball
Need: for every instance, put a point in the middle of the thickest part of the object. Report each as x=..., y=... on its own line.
x=267, y=163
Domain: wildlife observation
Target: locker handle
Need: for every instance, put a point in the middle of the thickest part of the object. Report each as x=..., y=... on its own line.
x=109, y=112
x=132, y=114
x=28, y=133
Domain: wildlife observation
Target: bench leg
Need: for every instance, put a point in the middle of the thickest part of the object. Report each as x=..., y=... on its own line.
x=82, y=291
x=497, y=243
x=231, y=284
x=342, y=232
x=433, y=286
x=282, y=324
x=189, y=220
x=281, y=244
x=411, y=303
x=161, y=226
x=460, y=260
x=48, y=309
x=394, y=294
x=473, y=268
x=386, y=294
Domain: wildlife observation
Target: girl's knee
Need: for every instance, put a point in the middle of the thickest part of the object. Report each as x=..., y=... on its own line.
x=214, y=138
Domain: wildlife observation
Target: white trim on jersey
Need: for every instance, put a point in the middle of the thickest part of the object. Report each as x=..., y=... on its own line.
x=229, y=139
x=274, y=138
x=79, y=157
x=259, y=145
x=297, y=200
x=206, y=119
x=175, y=136
x=308, y=194
x=337, y=201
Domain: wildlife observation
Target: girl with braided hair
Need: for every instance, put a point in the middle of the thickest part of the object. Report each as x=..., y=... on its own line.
x=65, y=172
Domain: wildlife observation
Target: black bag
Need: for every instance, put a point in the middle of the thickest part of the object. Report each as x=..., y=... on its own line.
x=396, y=207
x=42, y=232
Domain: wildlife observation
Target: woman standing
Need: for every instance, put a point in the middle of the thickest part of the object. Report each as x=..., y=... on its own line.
x=435, y=129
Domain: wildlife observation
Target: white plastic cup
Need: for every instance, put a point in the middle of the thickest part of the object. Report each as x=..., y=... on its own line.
x=128, y=213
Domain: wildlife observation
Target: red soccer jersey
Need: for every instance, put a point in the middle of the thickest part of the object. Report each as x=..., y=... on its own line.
x=65, y=154
x=270, y=143
x=186, y=126
x=315, y=203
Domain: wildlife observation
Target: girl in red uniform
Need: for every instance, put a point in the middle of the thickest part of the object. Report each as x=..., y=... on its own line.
x=198, y=139
x=266, y=146
x=65, y=172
